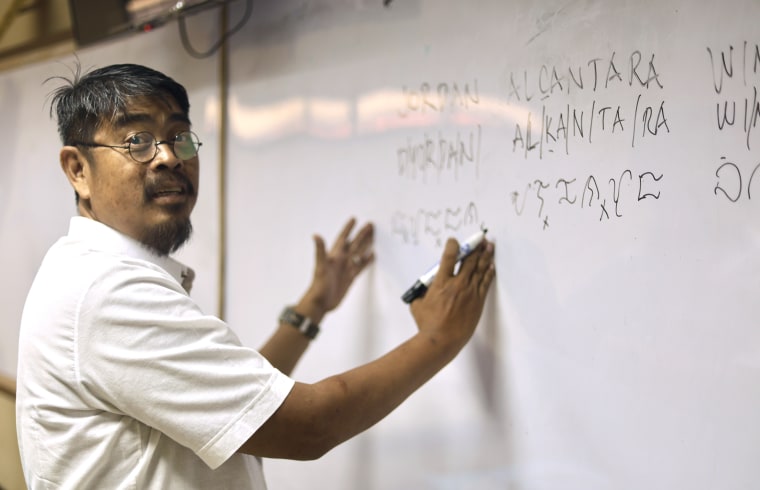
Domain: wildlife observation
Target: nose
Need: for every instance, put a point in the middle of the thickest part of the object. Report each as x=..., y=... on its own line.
x=165, y=157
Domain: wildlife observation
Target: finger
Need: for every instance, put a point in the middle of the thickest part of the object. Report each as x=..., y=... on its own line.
x=362, y=243
x=448, y=259
x=341, y=242
x=470, y=263
x=319, y=250
x=486, y=260
x=486, y=269
x=360, y=261
x=485, y=283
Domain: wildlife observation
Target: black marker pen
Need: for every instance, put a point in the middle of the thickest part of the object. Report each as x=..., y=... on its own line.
x=420, y=287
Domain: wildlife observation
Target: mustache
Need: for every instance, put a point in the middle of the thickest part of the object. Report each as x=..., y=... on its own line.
x=161, y=182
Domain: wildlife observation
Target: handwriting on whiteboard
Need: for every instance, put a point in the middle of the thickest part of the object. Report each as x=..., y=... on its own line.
x=556, y=130
x=436, y=153
x=605, y=197
x=552, y=80
x=439, y=97
x=556, y=127
x=731, y=180
x=413, y=226
x=432, y=155
x=737, y=70
x=735, y=80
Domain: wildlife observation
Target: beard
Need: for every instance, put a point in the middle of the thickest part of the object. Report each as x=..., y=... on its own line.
x=168, y=237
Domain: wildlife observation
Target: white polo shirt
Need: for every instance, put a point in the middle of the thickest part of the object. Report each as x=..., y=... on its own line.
x=123, y=382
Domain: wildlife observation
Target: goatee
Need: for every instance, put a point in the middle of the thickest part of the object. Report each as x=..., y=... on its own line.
x=168, y=237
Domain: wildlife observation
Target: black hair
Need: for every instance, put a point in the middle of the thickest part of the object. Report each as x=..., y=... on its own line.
x=86, y=101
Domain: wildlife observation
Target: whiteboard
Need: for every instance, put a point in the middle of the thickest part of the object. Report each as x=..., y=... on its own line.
x=612, y=156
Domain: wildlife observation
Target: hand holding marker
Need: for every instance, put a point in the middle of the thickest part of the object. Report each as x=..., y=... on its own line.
x=420, y=287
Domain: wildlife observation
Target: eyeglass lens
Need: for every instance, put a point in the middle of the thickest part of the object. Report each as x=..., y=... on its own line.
x=143, y=146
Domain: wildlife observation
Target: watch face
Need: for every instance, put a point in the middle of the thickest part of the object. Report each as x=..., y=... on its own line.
x=289, y=315
x=300, y=322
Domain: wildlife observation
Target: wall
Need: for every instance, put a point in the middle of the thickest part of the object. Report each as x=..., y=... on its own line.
x=11, y=476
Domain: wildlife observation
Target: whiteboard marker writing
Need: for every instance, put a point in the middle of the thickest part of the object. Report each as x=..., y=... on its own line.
x=419, y=288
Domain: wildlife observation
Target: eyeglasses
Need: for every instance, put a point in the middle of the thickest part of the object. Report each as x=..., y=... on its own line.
x=143, y=146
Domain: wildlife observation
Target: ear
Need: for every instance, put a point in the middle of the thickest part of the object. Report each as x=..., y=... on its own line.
x=76, y=168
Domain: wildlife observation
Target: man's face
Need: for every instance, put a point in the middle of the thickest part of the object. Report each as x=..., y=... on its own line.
x=150, y=202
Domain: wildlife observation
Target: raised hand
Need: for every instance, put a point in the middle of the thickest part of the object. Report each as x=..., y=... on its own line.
x=336, y=269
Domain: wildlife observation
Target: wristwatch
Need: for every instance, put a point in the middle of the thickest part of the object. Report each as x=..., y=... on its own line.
x=301, y=322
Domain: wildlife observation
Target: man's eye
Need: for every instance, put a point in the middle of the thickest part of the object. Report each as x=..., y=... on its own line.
x=182, y=137
x=140, y=139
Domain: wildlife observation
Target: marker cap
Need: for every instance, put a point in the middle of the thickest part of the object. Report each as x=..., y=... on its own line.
x=418, y=289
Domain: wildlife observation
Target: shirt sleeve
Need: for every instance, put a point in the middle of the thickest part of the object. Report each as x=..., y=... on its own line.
x=145, y=350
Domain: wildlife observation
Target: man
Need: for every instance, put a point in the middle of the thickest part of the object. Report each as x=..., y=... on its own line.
x=123, y=382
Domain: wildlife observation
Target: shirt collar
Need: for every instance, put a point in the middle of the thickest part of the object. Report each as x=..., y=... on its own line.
x=101, y=237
